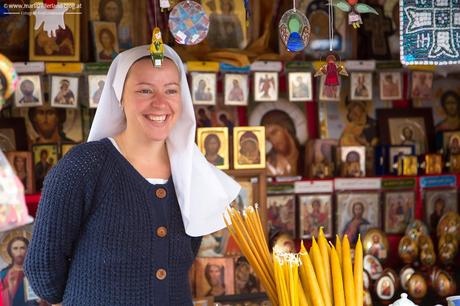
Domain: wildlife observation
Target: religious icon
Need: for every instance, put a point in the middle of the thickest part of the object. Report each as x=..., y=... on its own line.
x=451, y=142
x=64, y=91
x=408, y=165
x=422, y=84
x=437, y=203
x=353, y=161
x=433, y=164
x=361, y=126
x=390, y=85
x=227, y=18
x=315, y=212
x=46, y=124
x=300, y=87
x=361, y=86
x=375, y=243
x=331, y=70
x=22, y=166
x=214, y=276
x=356, y=213
x=450, y=103
x=385, y=288
x=265, y=86
x=213, y=143
x=395, y=153
x=105, y=40
x=64, y=45
x=417, y=287
x=204, y=88
x=45, y=157
x=281, y=212
x=280, y=133
x=96, y=85
x=320, y=157
x=249, y=147
x=399, y=211
x=409, y=131
x=236, y=89
x=14, y=246
x=29, y=91
x=373, y=266
x=454, y=163
x=246, y=281
x=407, y=127
x=354, y=9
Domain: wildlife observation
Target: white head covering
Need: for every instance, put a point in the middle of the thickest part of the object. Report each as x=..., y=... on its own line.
x=203, y=191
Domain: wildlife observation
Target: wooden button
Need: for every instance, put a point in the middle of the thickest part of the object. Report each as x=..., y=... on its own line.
x=161, y=274
x=162, y=231
x=160, y=193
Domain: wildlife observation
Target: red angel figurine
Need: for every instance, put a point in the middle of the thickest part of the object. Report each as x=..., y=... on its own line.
x=331, y=70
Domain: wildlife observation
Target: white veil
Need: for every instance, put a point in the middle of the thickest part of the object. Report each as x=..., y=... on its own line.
x=203, y=191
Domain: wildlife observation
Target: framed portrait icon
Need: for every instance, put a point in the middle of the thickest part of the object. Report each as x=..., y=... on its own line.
x=62, y=45
x=422, y=84
x=105, y=40
x=214, y=276
x=204, y=88
x=399, y=211
x=390, y=85
x=22, y=164
x=96, y=84
x=236, y=89
x=353, y=161
x=266, y=86
x=356, y=213
x=281, y=212
x=300, y=86
x=361, y=86
x=315, y=211
x=64, y=91
x=249, y=147
x=29, y=91
x=407, y=127
x=214, y=144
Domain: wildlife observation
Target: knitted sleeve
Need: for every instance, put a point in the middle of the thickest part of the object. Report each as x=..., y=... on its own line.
x=65, y=200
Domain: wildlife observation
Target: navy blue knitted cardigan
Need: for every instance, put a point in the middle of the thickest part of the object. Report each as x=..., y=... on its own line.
x=105, y=236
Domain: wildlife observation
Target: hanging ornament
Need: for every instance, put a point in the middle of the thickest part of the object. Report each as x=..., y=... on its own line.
x=294, y=30
x=8, y=79
x=52, y=17
x=156, y=48
x=188, y=23
x=354, y=9
x=332, y=71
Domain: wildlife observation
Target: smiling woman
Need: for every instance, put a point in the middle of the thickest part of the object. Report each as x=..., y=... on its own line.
x=129, y=191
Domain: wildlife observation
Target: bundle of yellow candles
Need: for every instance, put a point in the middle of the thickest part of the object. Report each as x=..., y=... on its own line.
x=324, y=276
